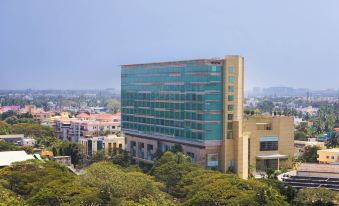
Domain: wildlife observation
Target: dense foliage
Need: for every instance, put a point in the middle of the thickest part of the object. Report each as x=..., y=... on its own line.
x=173, y=180
x=42, y=134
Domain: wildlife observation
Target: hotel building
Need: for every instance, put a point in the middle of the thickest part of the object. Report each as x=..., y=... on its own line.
x=195, y=103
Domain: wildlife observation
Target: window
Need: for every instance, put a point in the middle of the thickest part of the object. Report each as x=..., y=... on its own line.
x=229, y=135
x=230, y=116
x=268, y=143
x=231, y=69
x=230, y=107
x=231, y=79
x=212, y=160
x=327, y=157
x=231, y=88
x=230, y=97
x=269, y=146
x=229, y=126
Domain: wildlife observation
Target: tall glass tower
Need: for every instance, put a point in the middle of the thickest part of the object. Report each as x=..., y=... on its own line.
x=195, y=103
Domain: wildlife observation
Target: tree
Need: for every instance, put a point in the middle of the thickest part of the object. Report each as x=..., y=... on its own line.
x=333, y=141
x=289, y=192
x=177, y=148
x=121, y=157
x=310, y=154
x=212, y=188
x=316, y=197
x=98, y=156
x=12, y=120
x=7, y=198
x=113, y=105
x=5, y=128
x=67, y=148
x=8, y=146
x=116, y=184
x=170, y=168
x=265, y=106
x=45, y=184
x=300, y=136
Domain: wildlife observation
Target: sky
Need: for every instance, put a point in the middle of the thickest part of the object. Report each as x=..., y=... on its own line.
x=79, y=44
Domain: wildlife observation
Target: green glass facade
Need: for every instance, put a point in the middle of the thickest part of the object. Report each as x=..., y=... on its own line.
x=180, y=100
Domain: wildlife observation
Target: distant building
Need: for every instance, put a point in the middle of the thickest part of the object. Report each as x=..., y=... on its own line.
x=9, y=108
x=300, y=145
x=328, y=156
x=85, y=125
x=103, y=143
x=336, y=131
x=18, y=139
x=41, y=116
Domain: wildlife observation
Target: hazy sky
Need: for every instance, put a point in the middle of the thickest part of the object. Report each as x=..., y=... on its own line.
x=75, y=44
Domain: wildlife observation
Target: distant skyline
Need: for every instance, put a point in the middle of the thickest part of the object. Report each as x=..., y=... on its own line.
x=80, y=44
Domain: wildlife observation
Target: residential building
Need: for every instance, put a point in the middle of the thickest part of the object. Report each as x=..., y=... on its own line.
x=86, y=125
x=41, y=116
x=18, y=139
x=61, y=127
x=9, y=108
x=328, y=156
x=107, y=143
x=80, y=129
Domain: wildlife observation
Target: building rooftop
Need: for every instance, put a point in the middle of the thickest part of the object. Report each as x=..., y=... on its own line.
x=172, y=62
x=9, y=136
x=331, y=150
x=319, y=168
x=7, y=158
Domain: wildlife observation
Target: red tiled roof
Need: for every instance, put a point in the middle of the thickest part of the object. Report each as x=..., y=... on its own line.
x=82, y=115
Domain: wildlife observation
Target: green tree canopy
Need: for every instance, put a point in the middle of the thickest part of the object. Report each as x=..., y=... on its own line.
x=316, y=197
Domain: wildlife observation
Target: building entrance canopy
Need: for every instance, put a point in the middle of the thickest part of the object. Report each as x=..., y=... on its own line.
x=271, y=156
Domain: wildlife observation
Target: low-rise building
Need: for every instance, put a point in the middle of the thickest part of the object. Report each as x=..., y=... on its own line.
x=86, y=125
x=18, y=139
x=42, y=116
x=102, y=143
x=300, y=145
x=65, y=160
x=9, y=108
x=310, y=175
x=270, y=140
x=328, y=156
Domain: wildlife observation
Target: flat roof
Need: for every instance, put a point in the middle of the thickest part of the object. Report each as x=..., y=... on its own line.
x=171, y=62
x=319, y=168
x=7, y=158
x=330, y=150
x=271, y=156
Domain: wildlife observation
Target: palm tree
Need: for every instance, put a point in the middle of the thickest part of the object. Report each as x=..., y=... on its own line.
x=333, y=141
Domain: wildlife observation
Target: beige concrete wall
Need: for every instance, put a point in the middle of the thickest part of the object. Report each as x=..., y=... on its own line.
x=234, y=149
x=282, y=127
x=328, y=156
